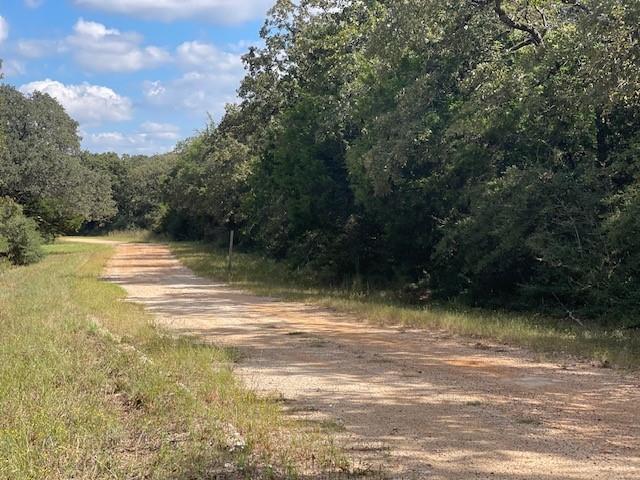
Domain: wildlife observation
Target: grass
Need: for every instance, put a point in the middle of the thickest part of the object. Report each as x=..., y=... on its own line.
x=90, y=389
x=547, y=336
x=131, y=236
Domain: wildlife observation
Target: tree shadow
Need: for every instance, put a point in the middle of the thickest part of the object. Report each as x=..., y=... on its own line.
x=419, y=404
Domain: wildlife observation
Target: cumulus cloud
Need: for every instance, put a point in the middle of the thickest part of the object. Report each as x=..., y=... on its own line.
x=198, y=93
x=99, y=48
x=13, y=67
x=86, y=103
x=4, y=29
x=210, y=79
x=216, y=11
x=38, y=48
x=161, y=130
x=208, y=57
x=150, y=138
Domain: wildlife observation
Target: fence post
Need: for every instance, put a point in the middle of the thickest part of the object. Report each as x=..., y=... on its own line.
x=230, y=249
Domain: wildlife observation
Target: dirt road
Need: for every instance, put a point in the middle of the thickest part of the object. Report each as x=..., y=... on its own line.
x=423, y=405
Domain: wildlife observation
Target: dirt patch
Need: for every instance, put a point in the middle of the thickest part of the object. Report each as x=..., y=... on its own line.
x=417, y=404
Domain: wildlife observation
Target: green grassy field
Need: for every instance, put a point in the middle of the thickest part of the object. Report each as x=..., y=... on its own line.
x=90, y=389
x=547, y=336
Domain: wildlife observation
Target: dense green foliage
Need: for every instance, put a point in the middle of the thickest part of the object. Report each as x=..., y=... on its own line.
x=19, y=238
x=485, y=150
x=206, y=187
x=137, y=184
x=41, y=165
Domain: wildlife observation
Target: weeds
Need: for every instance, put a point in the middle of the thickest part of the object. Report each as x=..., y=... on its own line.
x=89, y=388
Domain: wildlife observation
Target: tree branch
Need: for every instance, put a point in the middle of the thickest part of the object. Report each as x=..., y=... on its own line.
x=525, y=43
x=535, y=36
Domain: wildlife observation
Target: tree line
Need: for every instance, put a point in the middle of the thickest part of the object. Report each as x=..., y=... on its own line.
x=46, y=187
x=478, y=150
x=486, y=150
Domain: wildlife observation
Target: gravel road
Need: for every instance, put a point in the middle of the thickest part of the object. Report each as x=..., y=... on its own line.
x=418, y=404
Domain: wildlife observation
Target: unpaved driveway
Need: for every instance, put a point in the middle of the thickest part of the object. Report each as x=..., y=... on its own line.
x=420, y=404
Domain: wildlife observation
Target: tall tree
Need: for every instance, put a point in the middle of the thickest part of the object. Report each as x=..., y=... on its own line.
x=41, y=166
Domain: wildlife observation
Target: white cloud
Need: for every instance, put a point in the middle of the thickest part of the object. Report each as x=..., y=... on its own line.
x=38, y=48
x=216, y=11
x=162, y=130
x=33, y=3
x=93, y=29
x=242, y=46
x=150, y=138
x=12, y=67
x=197, y=93
x=210, y=81
x=88, y=104
x=205, y=56
x=4, y=29
x=98, y=48
x=154, y=90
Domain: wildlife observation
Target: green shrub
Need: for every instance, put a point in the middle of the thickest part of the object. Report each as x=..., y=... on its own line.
x=20, y=242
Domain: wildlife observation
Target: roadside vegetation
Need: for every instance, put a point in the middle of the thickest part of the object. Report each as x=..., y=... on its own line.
x=20, y=241
x=89, y=388
x=555, y=338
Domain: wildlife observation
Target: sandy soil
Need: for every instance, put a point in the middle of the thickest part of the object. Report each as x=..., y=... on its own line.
x=418, y=404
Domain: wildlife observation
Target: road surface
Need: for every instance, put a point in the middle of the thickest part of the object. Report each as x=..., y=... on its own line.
x=418, y=404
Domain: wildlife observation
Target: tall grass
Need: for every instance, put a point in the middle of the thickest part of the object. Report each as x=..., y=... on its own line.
x=548, y=336
x=137, y=235
x=90, y=389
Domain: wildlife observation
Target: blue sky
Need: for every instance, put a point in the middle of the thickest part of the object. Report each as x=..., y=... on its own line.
x=138, y=75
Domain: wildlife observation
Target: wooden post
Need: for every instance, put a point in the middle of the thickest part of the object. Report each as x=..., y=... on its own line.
x=230, y=249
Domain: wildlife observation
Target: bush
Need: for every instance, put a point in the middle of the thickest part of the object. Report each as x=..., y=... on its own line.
x=20, y=242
